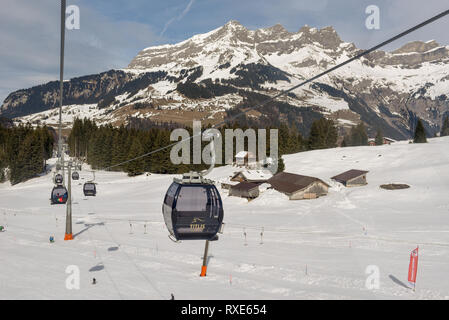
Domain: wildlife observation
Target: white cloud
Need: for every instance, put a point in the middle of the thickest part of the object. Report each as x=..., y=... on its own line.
x=29, y=37
x=178, y=18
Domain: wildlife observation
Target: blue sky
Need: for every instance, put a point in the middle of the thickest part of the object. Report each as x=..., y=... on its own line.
x=114, y=31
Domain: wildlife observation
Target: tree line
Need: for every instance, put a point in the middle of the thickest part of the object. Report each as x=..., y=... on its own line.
x=105, y=146
x=23, y=152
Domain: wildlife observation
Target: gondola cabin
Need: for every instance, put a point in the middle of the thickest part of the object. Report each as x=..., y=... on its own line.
x=75, y=176
x=59, y=195
x=193, y=209
x=59, y=179
x=90, y=189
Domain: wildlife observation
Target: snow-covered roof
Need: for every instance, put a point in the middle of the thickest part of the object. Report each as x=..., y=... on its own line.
x=243, y=154
x=228, y=181
x=255, y=175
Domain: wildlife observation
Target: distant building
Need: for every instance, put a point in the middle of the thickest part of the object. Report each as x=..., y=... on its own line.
x=298, y=187
x=246, y=190
x=352, y=178
x=372, y=141
x=245, y=159
x=252, y=176
x=389, y=140
x=226, y=184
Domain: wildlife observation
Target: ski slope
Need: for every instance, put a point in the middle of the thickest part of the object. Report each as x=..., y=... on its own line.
x=312, y=249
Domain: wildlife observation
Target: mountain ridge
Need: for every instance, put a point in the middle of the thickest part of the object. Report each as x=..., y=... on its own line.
x=383, y=89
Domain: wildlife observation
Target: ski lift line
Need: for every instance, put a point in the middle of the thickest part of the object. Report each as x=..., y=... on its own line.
x=238, y=228
x=284, y=92
x=268, y=230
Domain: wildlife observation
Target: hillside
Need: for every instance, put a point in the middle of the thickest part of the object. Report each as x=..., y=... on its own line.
x=231, y=67
x=334, y=237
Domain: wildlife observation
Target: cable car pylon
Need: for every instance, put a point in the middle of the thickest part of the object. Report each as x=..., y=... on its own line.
x=68, y=222
x=204, y=267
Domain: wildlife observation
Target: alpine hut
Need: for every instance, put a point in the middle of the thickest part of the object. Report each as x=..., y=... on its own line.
x=247, y=190
x=352, y=178
x=298, y=187
x=245, y=159
x=252, y=176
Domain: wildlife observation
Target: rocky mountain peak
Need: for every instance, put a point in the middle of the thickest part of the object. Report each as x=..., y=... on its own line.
x=327, y=36
x=277, y=28
x=417, y=46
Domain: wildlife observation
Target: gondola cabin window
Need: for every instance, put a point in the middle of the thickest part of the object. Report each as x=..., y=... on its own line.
x=89, y=187
x=170, y=196
x=192, y=199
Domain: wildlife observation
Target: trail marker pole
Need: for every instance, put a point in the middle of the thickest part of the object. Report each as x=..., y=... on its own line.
x=204, y=267
x=244, y=234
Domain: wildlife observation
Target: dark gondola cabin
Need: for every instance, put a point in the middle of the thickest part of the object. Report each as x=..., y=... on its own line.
x=59, y=179
x=90, y=189
x=193, y=209
x=59, y=195
x=75, y=176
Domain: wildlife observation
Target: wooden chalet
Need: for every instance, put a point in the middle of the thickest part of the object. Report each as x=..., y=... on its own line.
x=352, y=178
x=298, y=187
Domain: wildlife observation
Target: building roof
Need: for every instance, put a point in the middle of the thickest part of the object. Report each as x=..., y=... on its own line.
x=228, y=181
x=243, y=154
x=349, y=175
x=245, y=186
x=254, y=175
x=290, y=182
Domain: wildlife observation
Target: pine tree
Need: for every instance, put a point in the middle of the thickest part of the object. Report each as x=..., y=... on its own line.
x=281, y=164
x=323, y=134
x=445, y=128
x=420, y=133
x=135, y=167
x=379, y=138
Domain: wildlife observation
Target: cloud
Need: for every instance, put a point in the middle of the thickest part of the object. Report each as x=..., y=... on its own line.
x=29, y=37
x=178, y=18
x=113, y=32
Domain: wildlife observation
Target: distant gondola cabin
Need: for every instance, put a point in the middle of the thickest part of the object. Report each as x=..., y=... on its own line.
x=59, y=195
x=90, y=189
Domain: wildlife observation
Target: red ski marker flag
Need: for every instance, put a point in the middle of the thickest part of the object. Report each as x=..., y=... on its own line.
x=413, y=267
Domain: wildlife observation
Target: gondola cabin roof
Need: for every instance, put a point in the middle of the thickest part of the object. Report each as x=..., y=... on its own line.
x=193, y=178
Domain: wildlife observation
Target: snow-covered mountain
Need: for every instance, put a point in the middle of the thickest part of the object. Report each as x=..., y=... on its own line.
x=209, y=74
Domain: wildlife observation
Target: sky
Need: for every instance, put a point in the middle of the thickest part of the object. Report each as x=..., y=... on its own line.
x=112, y=32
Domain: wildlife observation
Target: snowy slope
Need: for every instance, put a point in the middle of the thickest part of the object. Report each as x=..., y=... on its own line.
x=327, y=235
